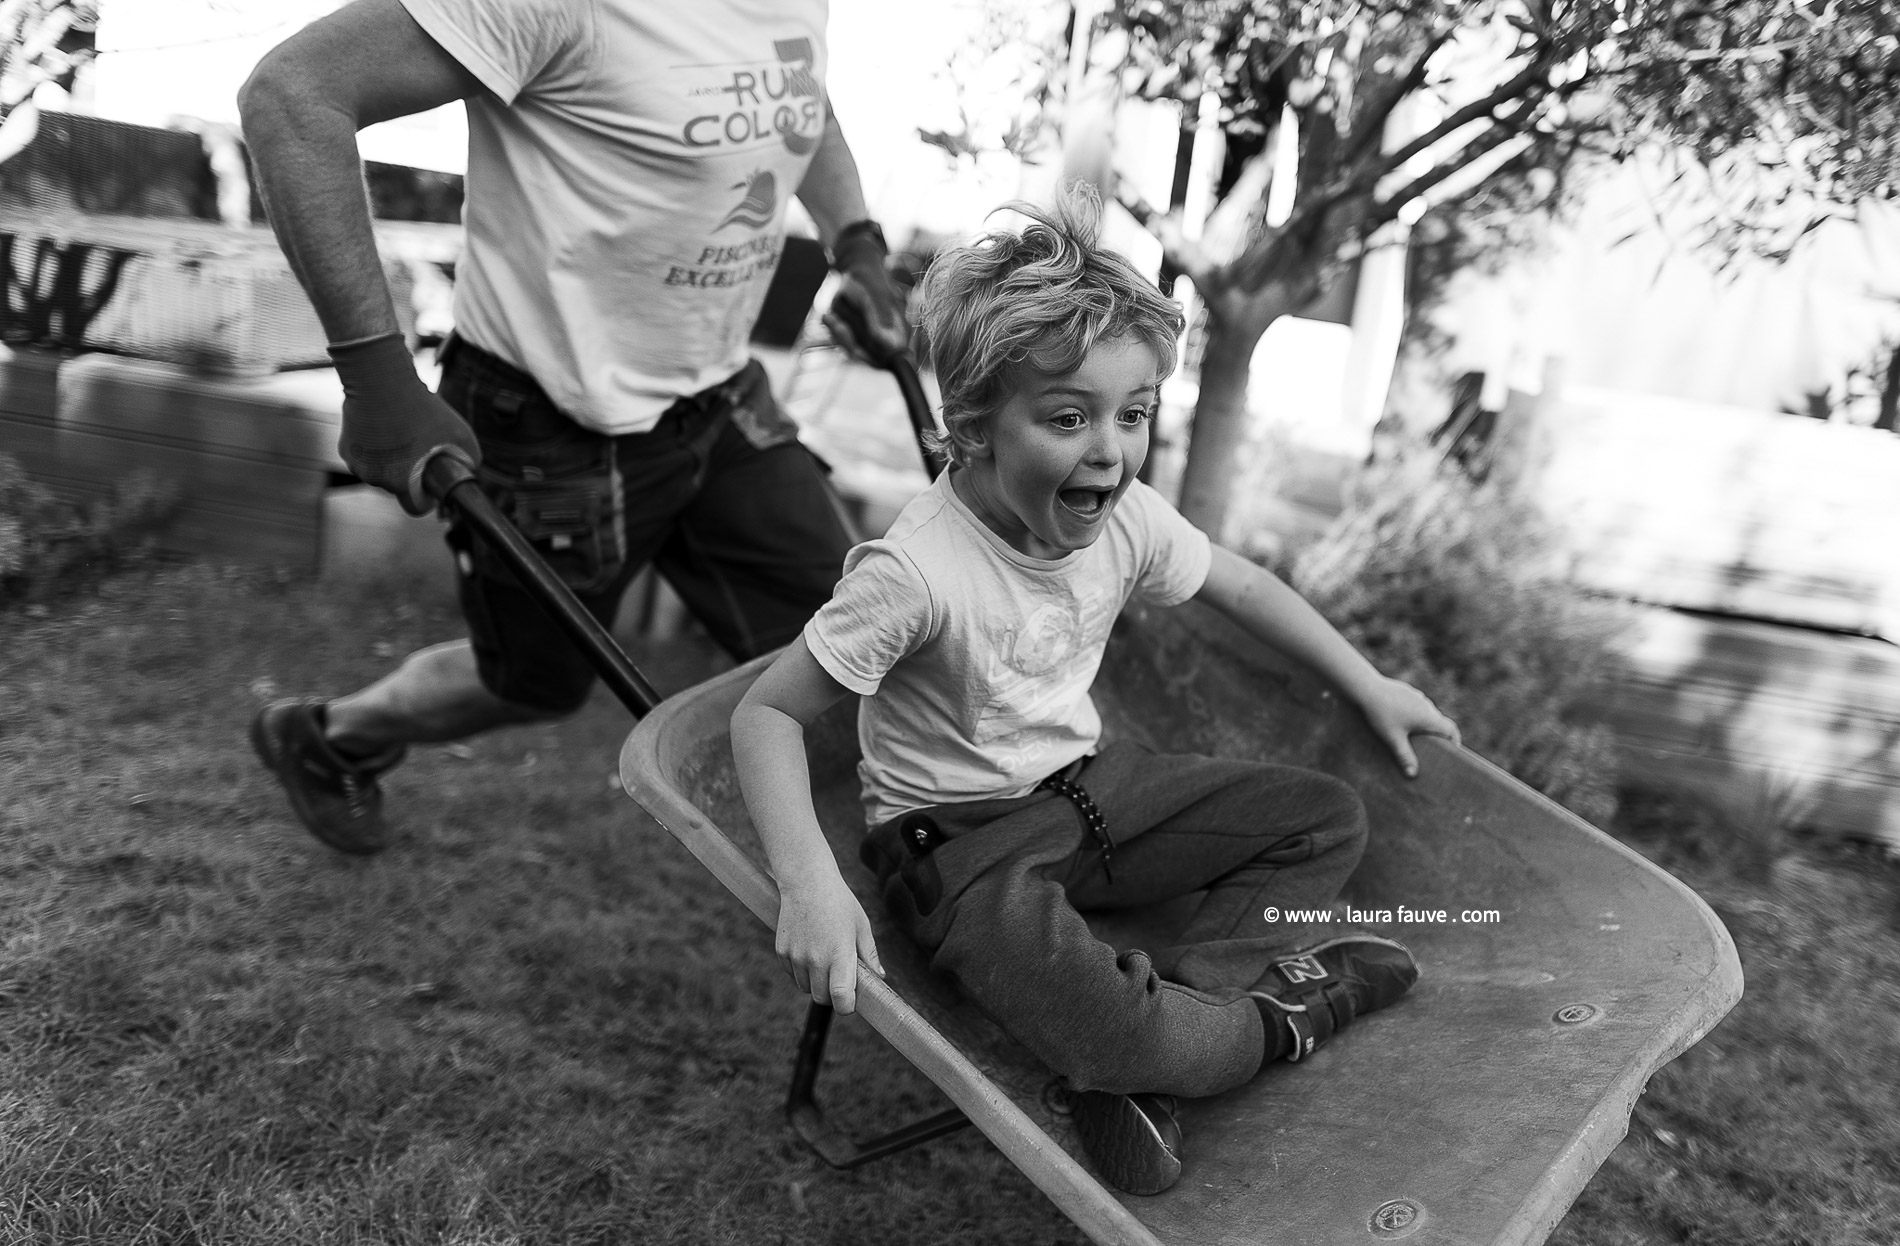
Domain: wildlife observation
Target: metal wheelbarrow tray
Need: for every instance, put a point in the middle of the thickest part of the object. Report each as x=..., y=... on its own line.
x=1472, y=1112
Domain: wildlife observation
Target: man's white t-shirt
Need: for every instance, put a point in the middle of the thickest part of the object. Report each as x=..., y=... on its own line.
x=629, y=167
x=975, y=660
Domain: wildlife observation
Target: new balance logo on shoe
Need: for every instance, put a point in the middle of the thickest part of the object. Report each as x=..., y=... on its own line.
x=1301, y=969
x=1308, y=997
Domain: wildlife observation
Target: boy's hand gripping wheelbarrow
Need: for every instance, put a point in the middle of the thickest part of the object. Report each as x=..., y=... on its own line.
x=1559, y=969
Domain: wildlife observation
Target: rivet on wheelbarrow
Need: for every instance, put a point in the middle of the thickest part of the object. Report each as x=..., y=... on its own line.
x=1396, y=1218
x=1574, y=1014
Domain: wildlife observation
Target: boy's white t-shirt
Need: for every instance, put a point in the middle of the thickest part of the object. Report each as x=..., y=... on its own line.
x=629, y=168
x=975, y=660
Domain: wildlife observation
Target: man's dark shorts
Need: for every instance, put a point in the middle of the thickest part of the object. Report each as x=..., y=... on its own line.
x=719, y=496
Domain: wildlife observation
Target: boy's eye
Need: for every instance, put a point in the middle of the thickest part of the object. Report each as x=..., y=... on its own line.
x=1134, y=415
x=1068, y=420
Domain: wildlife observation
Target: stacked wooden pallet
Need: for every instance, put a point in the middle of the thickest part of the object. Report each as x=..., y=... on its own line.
x=29, y=412
x=250, y=457
x=184, y=348
x=253, y=460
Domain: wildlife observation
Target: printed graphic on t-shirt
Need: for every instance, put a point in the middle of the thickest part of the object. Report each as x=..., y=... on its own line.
x=1039, y=668
x=775, y=103
x=753, y=102
x=759, y=204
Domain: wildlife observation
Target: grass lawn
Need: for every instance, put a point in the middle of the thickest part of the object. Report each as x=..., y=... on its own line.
x=536, y=1019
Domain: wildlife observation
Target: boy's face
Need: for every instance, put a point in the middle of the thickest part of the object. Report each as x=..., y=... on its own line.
x=1046, y=469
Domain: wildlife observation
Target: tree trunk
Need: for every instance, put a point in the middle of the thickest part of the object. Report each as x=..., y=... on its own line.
x=1220, y=425
x=1220, y=415
x=1889, y=418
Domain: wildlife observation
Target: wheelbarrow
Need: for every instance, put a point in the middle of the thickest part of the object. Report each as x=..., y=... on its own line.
x=1559, y=969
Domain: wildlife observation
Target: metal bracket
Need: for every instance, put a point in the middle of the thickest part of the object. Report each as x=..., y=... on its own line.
x=802, y=1109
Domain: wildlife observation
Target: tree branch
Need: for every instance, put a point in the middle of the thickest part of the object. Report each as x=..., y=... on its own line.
x=1176, y=247
x=1371, y=127
x=1388, y=208
x=1255, y=265
x=1512, y=88
x=1702, y=56
x=1319, y=135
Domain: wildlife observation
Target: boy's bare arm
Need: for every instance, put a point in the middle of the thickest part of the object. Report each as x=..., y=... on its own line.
x=1262, y=603
x=822, y=929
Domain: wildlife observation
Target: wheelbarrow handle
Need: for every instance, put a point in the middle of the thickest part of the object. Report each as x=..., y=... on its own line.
x=904, y=369
x=448, y=478
x=918, y=405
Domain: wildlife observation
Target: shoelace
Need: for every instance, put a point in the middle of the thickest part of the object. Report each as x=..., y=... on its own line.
x=355, y=795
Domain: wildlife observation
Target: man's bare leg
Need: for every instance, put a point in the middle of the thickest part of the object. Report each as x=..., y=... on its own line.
x=435, y=695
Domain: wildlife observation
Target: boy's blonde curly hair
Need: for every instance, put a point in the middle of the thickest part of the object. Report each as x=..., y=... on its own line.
x=1039, y=298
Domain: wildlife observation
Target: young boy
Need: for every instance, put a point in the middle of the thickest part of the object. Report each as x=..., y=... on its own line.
x=973, y=631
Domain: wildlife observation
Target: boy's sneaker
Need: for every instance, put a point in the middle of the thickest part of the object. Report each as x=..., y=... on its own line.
x=1133, y=1139
x=1310, y=995
x=336, y=797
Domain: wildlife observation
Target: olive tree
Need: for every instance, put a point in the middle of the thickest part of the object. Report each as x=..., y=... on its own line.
x=1773, y=113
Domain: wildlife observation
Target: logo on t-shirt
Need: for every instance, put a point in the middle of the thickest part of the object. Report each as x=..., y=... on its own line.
x=759, y=204
x=1039, y=672
x=764, y=100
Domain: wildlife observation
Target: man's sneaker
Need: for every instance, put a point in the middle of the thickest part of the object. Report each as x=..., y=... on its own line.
x=1310, y=995
x=1133, y=1139
x=336, y=797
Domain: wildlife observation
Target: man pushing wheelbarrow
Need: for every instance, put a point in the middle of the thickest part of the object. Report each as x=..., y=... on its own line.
x=630, y=168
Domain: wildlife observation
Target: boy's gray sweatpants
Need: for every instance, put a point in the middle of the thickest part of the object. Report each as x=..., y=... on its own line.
x=992, y=890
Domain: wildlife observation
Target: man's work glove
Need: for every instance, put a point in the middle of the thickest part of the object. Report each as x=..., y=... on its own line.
x=867, y=316
x=392, y=424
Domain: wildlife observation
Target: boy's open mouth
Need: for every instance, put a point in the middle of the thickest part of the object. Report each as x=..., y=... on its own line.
x=1086, y=502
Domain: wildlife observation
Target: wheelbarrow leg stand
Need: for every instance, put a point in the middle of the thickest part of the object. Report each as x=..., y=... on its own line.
x=802, y=1110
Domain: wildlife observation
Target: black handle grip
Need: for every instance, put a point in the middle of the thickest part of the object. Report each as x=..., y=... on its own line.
x=449, y=479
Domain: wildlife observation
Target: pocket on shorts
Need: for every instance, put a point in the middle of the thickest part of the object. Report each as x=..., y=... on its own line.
x=755, y=413
x=573, y=520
